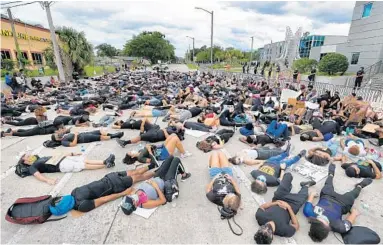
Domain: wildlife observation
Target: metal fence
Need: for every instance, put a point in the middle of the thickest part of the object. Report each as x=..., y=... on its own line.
x=374, y=96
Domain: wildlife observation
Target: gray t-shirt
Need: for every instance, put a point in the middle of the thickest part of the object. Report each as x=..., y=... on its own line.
x=149, y=189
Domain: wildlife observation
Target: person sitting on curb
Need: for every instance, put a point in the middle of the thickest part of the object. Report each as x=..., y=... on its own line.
x=222, y=190
x=272, y=170
x=327, y=214
x=274, y=217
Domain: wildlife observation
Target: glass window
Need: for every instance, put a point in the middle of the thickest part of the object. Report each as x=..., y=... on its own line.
x=355, y=58
x=37, y=58
x=24, y=55
x=5, y=54
x=367, y=10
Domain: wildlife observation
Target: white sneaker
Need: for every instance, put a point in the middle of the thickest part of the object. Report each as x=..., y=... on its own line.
x=186, y=154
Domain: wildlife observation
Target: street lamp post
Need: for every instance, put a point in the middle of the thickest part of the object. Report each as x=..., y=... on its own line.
x=251, y=51
x=193, y=46
x=211, y=36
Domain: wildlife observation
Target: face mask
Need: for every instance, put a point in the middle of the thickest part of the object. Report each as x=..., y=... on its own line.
x=142, y=198
x=262, y=178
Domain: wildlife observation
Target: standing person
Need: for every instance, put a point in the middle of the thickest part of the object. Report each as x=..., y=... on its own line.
x=270, y=71
x=255, y=69
x=359, y=78
x=311, y=77
x=244, y=68
x=248, y=68
x=295, y=76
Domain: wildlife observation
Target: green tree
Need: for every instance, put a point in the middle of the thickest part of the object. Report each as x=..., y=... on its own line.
x=77, y=47
x=107, y=50
x=151, y=45
x=203, y=56
x=7, y=64
x=304, y=65
x=333, y=63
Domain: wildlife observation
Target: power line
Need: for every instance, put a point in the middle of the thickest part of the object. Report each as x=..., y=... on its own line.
x=18, y=5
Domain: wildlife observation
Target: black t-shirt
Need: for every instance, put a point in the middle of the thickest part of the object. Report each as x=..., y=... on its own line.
x=359, y=75
x=328, y=127
x=40, y=166
x=221, y=187
x=366, y=170
x=213, y=138
x=271, y=173
x=195, y=111
x=80, y=119
x=64, y=119
x=280, y=217
x=131, y=124
x=327, y=150
x=295, y=75
x=67, y=139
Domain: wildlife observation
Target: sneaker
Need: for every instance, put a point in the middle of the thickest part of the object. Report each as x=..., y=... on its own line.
x=186, y=154
x=302, y=153
x=185, y=177
x=119, y=134
x=308, y=183
x=2, y=134
x=109, y=162
x=364, y=183
x=121, y=143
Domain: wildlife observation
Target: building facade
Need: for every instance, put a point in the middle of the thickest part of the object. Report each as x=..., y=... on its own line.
x=32, y=40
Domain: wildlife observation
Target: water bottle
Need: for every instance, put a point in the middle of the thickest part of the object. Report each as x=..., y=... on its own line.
x=82, y=149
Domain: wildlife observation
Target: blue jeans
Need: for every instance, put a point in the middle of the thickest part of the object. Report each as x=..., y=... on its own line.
x=106, y=119
x=280, y=159
x=333, y=146
x=276, y=130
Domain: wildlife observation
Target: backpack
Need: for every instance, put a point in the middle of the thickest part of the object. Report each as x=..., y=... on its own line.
x=30, y=210
x=361, y=235
x=51, y=144
x=22, y=170
x=171, y=190
x=227, y=213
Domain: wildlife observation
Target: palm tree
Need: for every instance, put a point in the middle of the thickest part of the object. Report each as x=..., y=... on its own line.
x=76, y=46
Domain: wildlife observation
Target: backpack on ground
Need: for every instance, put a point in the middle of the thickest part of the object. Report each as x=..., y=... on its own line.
x=171, y=190
x=361, y=235
x=30, y=210
x=51, y=144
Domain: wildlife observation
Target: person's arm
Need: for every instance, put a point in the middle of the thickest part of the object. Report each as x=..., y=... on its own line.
x=42, y=178
x=235, y=185
x=155, y=203
x=142, y=126
x=216, y=146
x=293, y=217
x=253, y=162
x=342, y=144
x=283, y=169
x=353, y=215
x=267, y=205
x=377, y=172
x=319, y=137
x=308, y=209
x=165, y=133
x=312, y=151
x=73, y=154
x=74, y=142
x=292, y=129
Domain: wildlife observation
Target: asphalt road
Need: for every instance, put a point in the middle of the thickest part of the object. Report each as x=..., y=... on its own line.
x=191, y=219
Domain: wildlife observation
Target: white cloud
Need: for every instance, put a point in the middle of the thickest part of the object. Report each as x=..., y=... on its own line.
x=117, y=22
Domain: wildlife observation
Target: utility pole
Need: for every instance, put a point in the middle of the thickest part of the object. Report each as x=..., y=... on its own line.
x=18, y=53
x=211, y=36
x=251, y=51
x=193, y=47
x=56, y=49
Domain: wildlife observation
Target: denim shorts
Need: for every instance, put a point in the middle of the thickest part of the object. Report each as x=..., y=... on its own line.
x=158, y=113
x=164, y=154
x=214, y=171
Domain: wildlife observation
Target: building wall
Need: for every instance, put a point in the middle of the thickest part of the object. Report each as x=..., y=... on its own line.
x=365, y=36
x=31, y=40
x=330, y=40
x=272, y=51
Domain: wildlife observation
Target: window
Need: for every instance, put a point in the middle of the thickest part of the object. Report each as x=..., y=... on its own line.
x=37, y=58
x=322, y=55
x=355, y=58
x=23, y=54
x=367, y=10
x=5, y=54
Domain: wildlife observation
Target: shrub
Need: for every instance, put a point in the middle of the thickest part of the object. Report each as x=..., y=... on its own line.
x=7, y=64
x=304, y=65
x=333, y=63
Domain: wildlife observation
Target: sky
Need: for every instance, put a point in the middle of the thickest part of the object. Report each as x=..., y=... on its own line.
x=234, y=22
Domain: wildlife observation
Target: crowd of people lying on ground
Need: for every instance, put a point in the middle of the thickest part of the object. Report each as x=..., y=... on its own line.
x=214, y=104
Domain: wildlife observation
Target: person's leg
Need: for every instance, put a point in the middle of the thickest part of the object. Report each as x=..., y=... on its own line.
x=163, y=169
x=291, y=160
x=284, y=187
x=27, y=132
x=279, y=158
x=173, y=169
x=223, y=161
x=264, y=154
x=214, y=160
x=279, y=131
x=174, y=143
x=328, y=188
x=272, y=127
x=348, y=199
x=89, y=166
